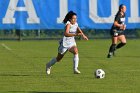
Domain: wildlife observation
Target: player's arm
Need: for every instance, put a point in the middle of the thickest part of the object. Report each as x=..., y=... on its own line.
x=67, y=29
x=121, y=26
x=80, y=32
x=116, y=24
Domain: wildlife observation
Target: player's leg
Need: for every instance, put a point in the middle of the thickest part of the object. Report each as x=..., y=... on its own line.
x=74, y=50
x=61, y=52
x=123, y=41
x=53, y=61
x=113, y=46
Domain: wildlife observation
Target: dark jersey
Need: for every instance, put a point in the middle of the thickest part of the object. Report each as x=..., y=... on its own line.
x=120, y=19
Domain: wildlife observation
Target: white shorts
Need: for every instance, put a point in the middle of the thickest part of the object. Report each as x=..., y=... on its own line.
x=62, y=50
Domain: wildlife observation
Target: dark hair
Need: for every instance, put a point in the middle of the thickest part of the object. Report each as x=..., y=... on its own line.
x=68, y=16
x=121, y=6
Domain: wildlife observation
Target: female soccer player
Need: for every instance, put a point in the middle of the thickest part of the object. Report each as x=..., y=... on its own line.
x=67, y=43
x=117, y=31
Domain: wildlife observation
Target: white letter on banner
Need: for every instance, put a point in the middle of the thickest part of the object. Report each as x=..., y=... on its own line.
x=12, y=8
x=93, y=9
x=134, y=6
x=63, y=10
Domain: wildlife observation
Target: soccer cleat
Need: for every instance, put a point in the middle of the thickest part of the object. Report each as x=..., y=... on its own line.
x=77, y=71
x=48, y=70
x=109, y=55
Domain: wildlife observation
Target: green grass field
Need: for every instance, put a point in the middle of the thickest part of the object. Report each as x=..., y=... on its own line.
x=22, y=68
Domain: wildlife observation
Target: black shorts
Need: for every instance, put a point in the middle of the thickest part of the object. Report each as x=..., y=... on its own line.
x=116, y=33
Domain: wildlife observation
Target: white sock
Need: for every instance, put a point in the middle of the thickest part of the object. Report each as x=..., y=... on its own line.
x=75, y=62
x=52, y=62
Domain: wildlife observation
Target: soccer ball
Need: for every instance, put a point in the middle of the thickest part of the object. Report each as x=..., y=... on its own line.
x=99, y=73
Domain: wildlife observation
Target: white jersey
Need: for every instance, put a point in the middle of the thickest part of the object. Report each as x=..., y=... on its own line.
x=70, y=41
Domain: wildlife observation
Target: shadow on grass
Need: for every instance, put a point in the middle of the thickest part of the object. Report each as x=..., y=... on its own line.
x=47, y=92
x=13, y=75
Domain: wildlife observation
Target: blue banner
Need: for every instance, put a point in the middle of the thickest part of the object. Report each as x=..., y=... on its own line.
x=49, y=14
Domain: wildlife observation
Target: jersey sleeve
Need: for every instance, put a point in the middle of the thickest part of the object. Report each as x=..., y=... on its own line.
x=68, y=22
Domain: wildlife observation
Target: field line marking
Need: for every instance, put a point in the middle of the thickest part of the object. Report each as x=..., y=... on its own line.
x=6, y=47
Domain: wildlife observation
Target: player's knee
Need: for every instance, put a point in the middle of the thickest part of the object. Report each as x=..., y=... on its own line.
x=58, y=59
x=75, y=51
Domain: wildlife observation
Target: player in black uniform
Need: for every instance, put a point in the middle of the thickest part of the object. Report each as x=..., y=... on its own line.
x=117, y=31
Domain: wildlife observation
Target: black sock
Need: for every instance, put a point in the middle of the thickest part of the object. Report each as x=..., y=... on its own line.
x=112, y=48
x=120, y=45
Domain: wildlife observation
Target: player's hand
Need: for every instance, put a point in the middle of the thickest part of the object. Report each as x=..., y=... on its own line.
x=85, y=37
x=123, y=27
